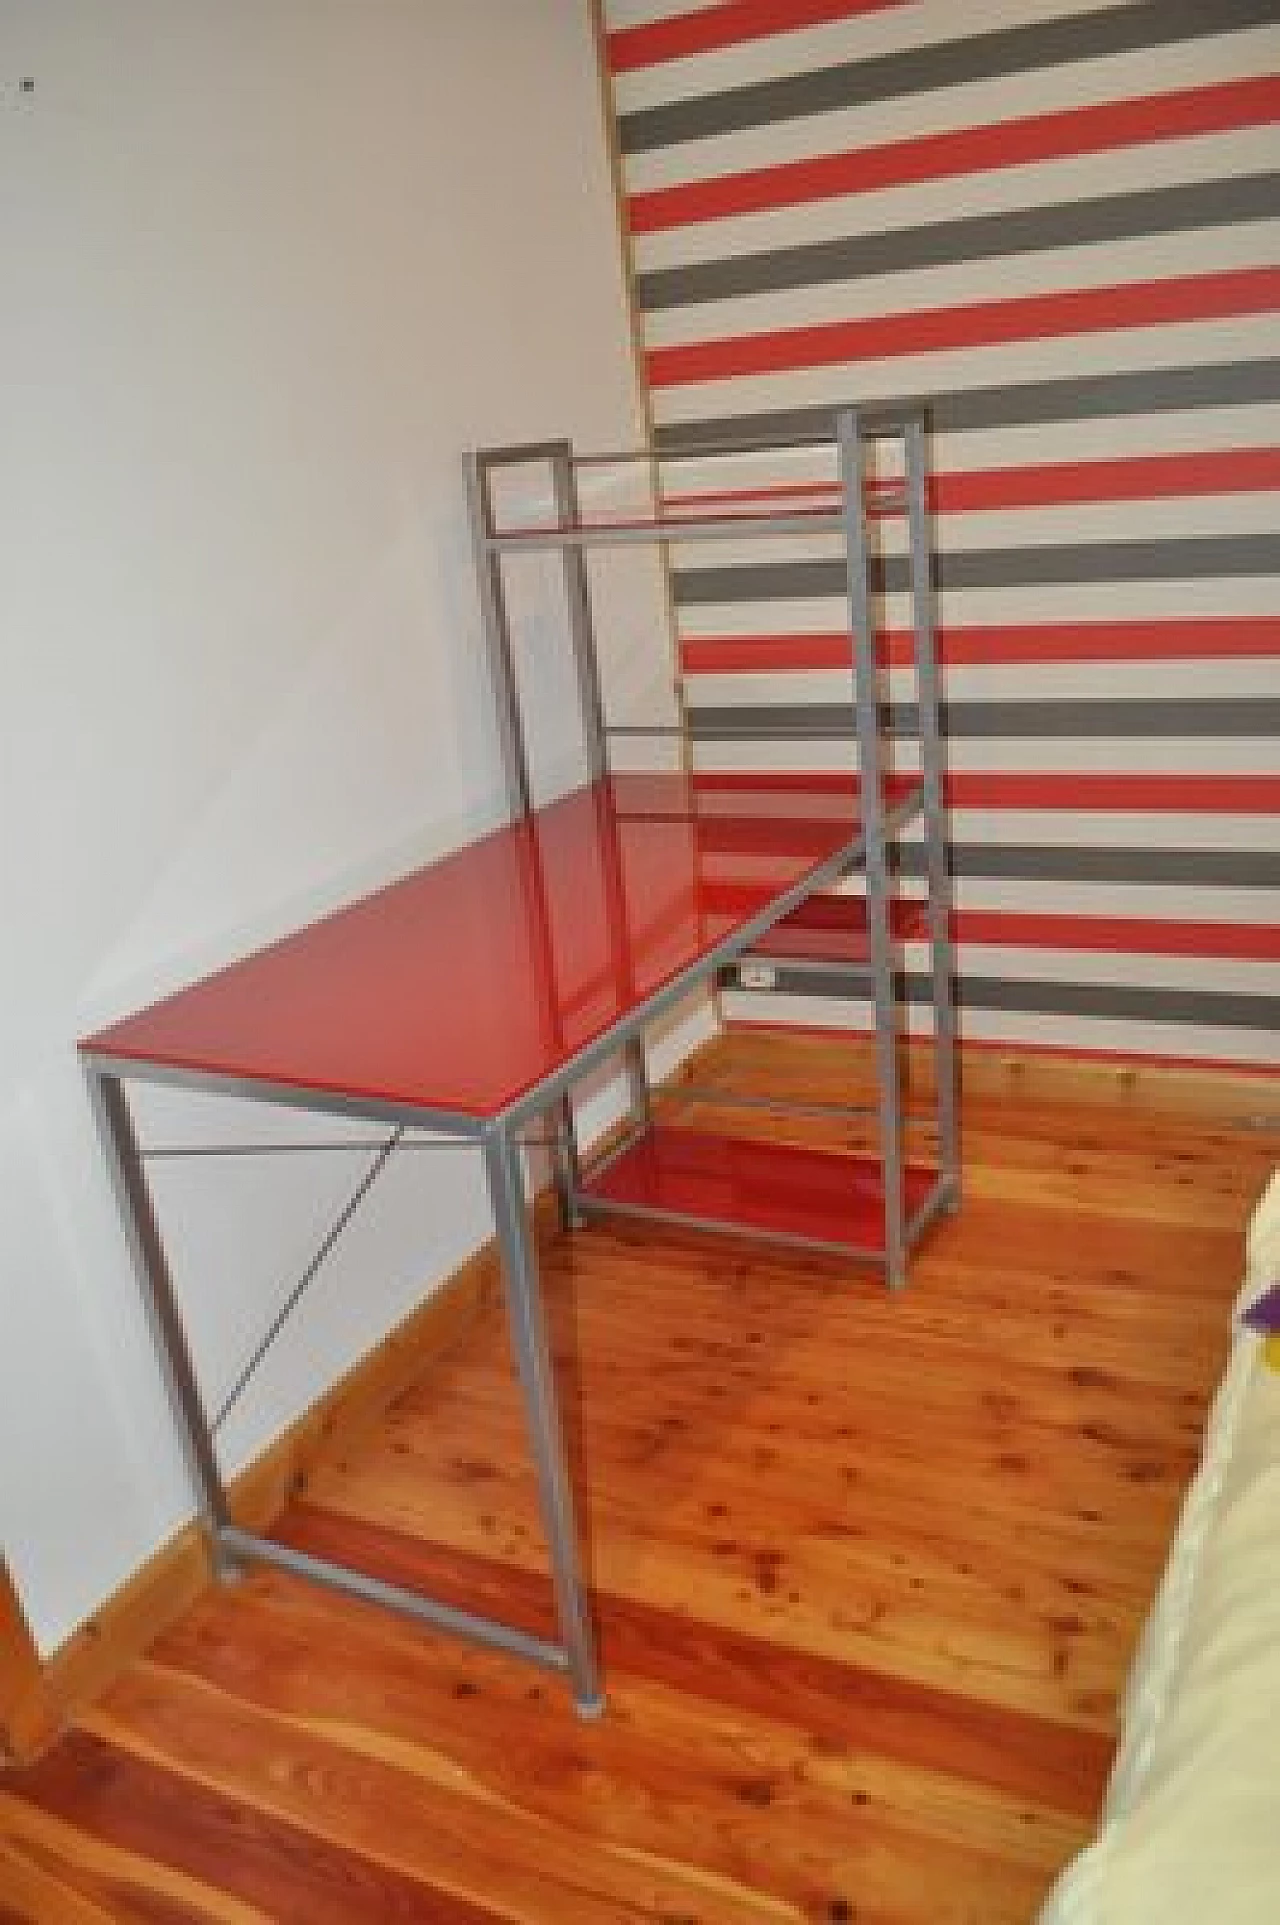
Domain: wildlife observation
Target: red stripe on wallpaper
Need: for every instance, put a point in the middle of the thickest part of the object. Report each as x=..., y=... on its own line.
x=837, y=916
x=766, y=654
x=1177, y=794
x=1218, y=471
x=1185, y=638
x=1120, y=935
x=1089, y=790
x=1060, y=135
x=1119, y=478
x=727, y=25
x=971, y=324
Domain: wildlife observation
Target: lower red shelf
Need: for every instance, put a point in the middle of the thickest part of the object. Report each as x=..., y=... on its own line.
x=775, y=1189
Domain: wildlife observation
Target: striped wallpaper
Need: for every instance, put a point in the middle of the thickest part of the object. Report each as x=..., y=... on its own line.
x=1060, y=223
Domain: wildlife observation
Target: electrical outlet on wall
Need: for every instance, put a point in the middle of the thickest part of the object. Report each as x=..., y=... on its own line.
x=757, y=975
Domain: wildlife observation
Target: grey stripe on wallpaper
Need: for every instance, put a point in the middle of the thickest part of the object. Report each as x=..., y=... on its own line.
x=1051, y=717
x=1091, y=863
x=1196, y=557
x=1084, y=862
x=1229, y=384
x=1113, y=217
x=1231, y=1009
x=1000, y=55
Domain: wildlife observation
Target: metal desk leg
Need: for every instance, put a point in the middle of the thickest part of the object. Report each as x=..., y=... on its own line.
x=566, y=1164
x=124, y=1161
x=533, y=1362
x=638, y=1084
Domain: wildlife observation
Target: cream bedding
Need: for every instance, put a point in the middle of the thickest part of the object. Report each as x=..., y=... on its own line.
x=1190, y=1834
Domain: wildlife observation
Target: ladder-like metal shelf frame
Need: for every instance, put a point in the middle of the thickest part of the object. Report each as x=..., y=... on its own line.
x=571, y=535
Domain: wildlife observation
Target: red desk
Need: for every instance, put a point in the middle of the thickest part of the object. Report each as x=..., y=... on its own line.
x=473, y=981
x=468, y=997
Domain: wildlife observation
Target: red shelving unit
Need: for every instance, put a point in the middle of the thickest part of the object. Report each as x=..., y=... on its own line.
x=762, y=494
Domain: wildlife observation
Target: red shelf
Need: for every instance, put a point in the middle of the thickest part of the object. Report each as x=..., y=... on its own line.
x=775, y=1188
x=819, y=504
x=468, y=983
x=670, y=525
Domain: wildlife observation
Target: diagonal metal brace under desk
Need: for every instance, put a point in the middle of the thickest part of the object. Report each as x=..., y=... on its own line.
x=230, y=1545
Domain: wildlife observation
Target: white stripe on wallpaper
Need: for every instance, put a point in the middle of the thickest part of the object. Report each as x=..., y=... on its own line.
x=1171, y=518
x=1180, y=431
x=1188, y=431
x=642, y=13
x=1050, y=271
x=1190, y=680
x=1161, y=518
x=1161, y=902
x=1165, y=902
x=1123, y=1035
x=1244, y=595
x=1157, y=904
x=801, y=49
x=1116, y=828
x=1169, y=344
x=1160, y=163
x=1067, y=754
x=973, y=103
x=1231, y=976
x=1037, y=890
x=866, y=36
x=1007, y=604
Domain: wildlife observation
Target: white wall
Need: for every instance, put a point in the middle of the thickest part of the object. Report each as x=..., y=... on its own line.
x=270, y=266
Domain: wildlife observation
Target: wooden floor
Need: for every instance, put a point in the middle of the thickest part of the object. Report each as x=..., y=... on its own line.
x=868, y=1572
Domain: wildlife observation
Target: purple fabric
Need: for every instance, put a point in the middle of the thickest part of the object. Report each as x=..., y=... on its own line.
x=1263, y=1313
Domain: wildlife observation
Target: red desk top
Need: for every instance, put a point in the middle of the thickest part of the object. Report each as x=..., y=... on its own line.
x=463, y=985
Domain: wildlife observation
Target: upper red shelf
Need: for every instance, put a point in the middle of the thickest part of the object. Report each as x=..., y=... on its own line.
x=798, y=510
x=464, y=985
x=686, y=525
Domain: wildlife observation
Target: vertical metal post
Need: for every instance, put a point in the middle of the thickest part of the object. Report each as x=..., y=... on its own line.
x=638, y=1082
x=501, y=658
x=586, y=663
x=151, y=1268
x=566, y=1164
x=497, y=636
x=533, y=1363
x=870, y=764
x=578, y=594
x=939, y=881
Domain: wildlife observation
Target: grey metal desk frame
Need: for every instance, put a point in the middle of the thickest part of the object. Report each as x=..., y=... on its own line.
x=498, y=1136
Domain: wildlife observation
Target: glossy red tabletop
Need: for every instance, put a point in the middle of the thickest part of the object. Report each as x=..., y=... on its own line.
x=462, y=986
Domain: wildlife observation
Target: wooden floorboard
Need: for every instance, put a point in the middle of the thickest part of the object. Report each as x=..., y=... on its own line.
x=868, y=1571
